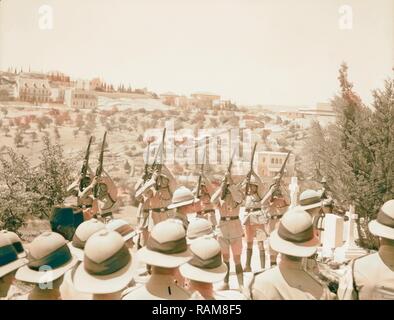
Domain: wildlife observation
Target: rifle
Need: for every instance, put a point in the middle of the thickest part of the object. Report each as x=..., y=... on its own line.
x=158, y=166
x=99, y=170
x=276, y=185
x=198, y=195
x=249, y=175
x=224, y=192
x=84, y=170
x=146, y=172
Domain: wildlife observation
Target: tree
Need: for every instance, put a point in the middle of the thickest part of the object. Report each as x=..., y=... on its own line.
x=26, y=190
x=354, y=154
x=18, y=139
x=34, y=136
x=15, y=197
x=51, y=179
x=127, y=167
x=6, y=130
x=56, y=133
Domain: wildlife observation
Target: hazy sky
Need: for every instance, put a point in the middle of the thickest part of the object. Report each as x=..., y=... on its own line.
x=281, y=52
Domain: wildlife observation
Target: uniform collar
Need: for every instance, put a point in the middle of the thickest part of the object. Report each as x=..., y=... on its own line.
x=386, y=253
x=288, y=264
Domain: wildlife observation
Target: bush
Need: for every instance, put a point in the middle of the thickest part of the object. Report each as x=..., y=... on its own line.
x=27, y=189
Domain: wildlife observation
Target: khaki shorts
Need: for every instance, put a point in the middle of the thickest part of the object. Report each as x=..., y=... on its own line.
x=235, y=244
x=230, y=235
x=255, y=231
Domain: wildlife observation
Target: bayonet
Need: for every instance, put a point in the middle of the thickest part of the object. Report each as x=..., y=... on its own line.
x=198, y=195
x=99, y=169
x=84, y=169
x=249, y=175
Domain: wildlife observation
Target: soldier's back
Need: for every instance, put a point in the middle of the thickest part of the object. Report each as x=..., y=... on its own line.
x=374, y=277
x=157, y=290
x=287, y=284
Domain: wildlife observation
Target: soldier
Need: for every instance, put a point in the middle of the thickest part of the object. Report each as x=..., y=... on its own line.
x=84, y=231
x=49, y=259
x=106, y=269
x=206, y=268
x=165, y=251
x=62, y=221
x=10, y=262
x=228, y=199
x=275, y=205
x=124, y=229
x=199, y=227
x=15, y=241
x=184, y=203
x=154, y=196
x=106, y=196
x=311, y=201
x=372, y=276
x=85, y=202
x=204, y=192
x=255, y=219
x=294, y=239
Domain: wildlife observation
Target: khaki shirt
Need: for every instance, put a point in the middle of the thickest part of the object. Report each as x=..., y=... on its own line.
x=159, y=287
x=221, y=295
x=374, y=275
x=288, y=282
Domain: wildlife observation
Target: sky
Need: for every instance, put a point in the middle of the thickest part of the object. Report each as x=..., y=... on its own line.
x=272, y=52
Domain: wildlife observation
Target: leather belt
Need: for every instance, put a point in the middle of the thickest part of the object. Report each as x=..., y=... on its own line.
x=277, y=217
x=229, y=218
x=156, y=210
x=248, y=210
x=200, y=213
x=85, y=206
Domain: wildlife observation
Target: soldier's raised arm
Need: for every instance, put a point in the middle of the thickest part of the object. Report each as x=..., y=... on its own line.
x=208, y=184
x=74, y=185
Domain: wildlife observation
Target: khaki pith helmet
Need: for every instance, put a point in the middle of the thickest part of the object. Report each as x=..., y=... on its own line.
x=84, y=231
x=166, y=246
x=16, y=242
x=295, y=235
x=182, y=197
x=9, y=260
x=49, y=259
x=310, y=199
x=383, y=226
x=107, y=264
x=206, y=265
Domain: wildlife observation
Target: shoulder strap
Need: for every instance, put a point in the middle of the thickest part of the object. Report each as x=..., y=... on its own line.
x=250, y=287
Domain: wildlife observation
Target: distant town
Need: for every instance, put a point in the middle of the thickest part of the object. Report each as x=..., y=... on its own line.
x=58, y=88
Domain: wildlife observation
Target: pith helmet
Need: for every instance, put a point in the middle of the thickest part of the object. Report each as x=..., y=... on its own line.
x=49, y=259
x=206, y=265
x=166, y=246
x=295, y=235
x=383, y=226
x=182, y=197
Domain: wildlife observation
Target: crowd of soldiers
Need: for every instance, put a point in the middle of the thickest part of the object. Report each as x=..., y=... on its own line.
x=187, y=242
